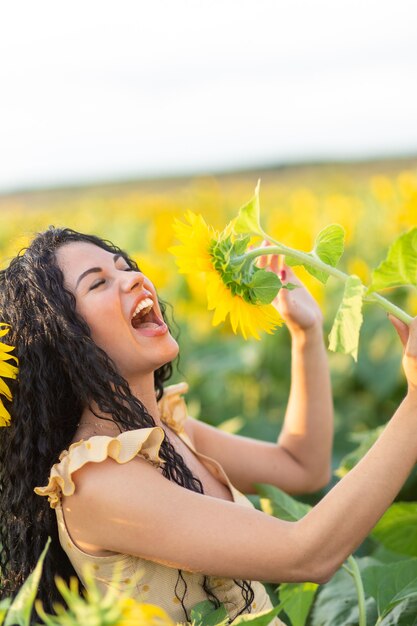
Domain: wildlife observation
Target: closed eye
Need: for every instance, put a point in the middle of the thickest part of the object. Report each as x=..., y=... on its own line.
x=97, y=284
x=102, y=280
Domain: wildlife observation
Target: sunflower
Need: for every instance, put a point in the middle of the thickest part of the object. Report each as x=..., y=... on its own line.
x=210, y=252
x=8, y=371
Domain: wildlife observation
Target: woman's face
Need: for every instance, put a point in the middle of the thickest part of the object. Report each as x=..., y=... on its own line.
x=109, y=295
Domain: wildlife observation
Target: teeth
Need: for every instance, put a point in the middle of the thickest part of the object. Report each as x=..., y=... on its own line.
x=143, y=304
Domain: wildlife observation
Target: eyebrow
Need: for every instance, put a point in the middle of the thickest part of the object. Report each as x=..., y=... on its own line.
x=95, y=269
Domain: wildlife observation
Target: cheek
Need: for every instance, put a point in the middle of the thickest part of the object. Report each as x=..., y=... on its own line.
x=102, y=324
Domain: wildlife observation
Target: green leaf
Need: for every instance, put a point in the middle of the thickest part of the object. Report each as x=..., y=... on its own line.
x=4, y=605
x=391, y=584
x=400, y=265
x=290, y=286
x=248, y=219
x=21, y=609
x=298, y=599
x=279, y=504
x=203, y=614
x=383, y=555
x=397, y=528
x=264, y=286
x=344, y=336
x=328, y=247
x=337, y=601
x=404, y=614
x=365, y=439
x=259, y=619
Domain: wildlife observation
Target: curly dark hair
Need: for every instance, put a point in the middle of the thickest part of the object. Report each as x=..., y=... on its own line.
x=61, y=370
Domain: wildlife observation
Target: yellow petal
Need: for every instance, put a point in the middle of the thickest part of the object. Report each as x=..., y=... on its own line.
x=4, y=389
x=7, y=370
x=4, y=415
x=142, y=613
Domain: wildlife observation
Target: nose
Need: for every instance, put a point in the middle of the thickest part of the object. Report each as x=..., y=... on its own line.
x=132, y=280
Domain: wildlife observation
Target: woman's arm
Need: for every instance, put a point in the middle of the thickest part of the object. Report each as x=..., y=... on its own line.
x=133, y=509
x=300, y=461
x=307, y=432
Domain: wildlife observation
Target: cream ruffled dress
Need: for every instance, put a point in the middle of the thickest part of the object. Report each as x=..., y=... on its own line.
x=157, y=583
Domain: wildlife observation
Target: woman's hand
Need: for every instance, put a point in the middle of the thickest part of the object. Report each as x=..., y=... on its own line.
x=297, y=307
x=408, y=336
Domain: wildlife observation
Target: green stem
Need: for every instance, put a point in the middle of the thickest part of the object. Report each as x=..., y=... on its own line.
x=389, y=307
x=353, y=571
x=318, y=264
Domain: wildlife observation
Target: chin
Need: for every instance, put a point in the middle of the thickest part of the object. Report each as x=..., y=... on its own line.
x=166, y=353
x=174, y=350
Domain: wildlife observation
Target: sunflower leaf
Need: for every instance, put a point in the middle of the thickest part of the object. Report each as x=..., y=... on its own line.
x=279, y=504
x=390, y=584
x=290, y=286
x=400, y=265
x=21, y=609
x=328, y=247
x=248, y=219
x=203, y=614
x=344, y=335
x=364, y=440
x=396, y=529
x=264, y=286
x=4, y=605
x=298, y=599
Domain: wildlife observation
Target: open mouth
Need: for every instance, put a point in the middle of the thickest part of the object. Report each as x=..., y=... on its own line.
x=145, y=316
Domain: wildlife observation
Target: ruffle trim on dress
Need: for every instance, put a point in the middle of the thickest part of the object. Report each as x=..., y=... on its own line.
x=144, y=442
x=172, y=407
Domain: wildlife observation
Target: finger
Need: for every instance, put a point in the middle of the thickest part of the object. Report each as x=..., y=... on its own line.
x=282, y=268
x=401, y=328
x=275, y=263
x=287, y=275
x=412, y=337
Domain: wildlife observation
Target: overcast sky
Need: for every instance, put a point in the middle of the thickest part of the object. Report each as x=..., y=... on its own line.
x=95, y=90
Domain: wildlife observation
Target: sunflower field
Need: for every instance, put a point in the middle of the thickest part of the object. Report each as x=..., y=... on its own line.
x=242, y=386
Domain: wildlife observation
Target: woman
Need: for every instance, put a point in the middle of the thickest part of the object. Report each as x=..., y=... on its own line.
x=94, y=352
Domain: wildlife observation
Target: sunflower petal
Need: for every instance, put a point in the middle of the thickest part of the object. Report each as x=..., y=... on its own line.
x=4, y=389
x=4, y=415
x=8, y=371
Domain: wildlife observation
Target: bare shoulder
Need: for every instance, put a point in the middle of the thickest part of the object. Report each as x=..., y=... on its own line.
x=95, y=480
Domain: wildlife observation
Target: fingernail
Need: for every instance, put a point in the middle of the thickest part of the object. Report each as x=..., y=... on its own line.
x=282, y=274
